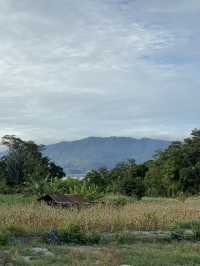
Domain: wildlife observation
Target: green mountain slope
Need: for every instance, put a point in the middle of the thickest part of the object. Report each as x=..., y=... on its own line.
x=77, y=157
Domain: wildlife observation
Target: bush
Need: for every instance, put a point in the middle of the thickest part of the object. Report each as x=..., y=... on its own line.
x=93, y=238
x=4, y=237
x=177, y=234
x=124, y=238
x=120, y=201
x=53, y=237
x=4, y=188
x=16, y=230
x=179, y=228
x=183, y=225
x=73, y=234
x=117, y=200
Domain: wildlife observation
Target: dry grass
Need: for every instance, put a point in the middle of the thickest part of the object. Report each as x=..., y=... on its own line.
x=101, y=257
x=135, y=216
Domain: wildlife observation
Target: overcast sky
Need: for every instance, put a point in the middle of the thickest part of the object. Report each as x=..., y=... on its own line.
x=76, y=68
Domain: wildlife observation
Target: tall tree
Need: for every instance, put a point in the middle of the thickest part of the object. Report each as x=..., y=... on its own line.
x=25, y=161
x=177, y=169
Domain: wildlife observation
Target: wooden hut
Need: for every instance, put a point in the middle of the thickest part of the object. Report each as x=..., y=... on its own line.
x=59, y=199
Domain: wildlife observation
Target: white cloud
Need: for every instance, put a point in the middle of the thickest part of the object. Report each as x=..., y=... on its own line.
x=70, y=69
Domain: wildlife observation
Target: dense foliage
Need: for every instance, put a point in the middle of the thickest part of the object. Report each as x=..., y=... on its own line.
x=126, y=178
x=177, y=169
x=25, y=166
x=173, y=172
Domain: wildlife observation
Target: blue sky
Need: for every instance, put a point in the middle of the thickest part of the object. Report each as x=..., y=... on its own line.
x=72, y=68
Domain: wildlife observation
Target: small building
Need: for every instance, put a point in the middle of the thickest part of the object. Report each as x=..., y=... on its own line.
x=59, y=199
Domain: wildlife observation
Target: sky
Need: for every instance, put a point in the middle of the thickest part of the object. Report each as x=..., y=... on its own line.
x=70, y=69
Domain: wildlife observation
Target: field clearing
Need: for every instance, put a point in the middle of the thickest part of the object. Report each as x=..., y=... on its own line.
x=146, y=215
x=28, y=223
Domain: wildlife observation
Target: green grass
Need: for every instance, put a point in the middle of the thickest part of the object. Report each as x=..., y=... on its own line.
x=137, y=254
x=16, y=198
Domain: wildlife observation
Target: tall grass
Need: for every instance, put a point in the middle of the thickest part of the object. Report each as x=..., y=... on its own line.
x=101, y=218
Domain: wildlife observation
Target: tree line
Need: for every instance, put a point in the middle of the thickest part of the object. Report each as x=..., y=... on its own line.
x=173, y=171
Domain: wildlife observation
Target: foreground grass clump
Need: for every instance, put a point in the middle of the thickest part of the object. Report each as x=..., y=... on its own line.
x=141, y=215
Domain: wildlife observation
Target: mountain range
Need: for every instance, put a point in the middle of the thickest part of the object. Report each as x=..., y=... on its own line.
x=80, y=156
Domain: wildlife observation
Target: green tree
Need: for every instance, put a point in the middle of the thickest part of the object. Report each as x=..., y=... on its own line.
x=126, y=178
x=177, y=169
x=130, y=178
x=24, y=162
x=100, y=178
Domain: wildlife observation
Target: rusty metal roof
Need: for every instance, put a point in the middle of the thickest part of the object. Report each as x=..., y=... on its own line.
x=62, y=198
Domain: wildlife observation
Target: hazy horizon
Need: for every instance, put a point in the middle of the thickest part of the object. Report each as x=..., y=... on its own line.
x=72, y=69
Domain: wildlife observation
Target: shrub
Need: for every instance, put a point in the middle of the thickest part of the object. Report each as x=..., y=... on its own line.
x=53, y=237
x=73, y=234
x=93, y=238
x=4, y=237
x=124, y=238
x=184, y=225
x=181, y=228
x=16, y=230
x=177, y=234
x=4, y=188
x=120, y=201
x=117, y=200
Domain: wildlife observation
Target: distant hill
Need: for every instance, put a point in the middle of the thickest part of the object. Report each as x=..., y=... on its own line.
x=78, y=157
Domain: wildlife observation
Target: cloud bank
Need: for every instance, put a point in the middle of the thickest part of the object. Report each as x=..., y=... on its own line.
x=72, y=68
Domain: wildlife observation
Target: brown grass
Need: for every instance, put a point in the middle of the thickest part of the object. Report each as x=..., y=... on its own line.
x=101, y=257
x=135, y=216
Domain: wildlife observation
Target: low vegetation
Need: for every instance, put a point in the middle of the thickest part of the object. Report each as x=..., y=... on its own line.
x=123, y=218
x=103, y=217
x=174, y=172
x=102, y=234
x=138, y=254
x=108, y=233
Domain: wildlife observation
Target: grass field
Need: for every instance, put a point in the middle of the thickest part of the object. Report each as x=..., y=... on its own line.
x=141, y=215
x=23, y=216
